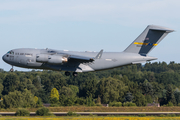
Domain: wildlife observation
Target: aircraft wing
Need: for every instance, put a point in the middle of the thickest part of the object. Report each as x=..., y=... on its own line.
x=83, y=58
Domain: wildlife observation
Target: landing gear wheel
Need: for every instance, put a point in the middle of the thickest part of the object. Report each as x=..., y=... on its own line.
x=67, y=73
x=75, y=74
x=12, y=70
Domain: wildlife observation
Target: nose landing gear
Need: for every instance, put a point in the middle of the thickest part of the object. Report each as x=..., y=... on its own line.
x=12, y=70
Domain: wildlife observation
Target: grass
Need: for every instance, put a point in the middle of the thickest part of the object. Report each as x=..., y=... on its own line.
x=101, y=109
x=90, y=118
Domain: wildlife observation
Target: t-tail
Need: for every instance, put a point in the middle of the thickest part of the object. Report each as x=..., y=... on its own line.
x=148, y=39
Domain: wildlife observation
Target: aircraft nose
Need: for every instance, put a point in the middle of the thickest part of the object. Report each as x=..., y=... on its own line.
x=4, y=58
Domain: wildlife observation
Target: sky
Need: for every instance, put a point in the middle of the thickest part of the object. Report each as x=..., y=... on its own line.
x=87, y=25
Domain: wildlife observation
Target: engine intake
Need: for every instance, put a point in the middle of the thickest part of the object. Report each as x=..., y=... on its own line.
x=42, y=58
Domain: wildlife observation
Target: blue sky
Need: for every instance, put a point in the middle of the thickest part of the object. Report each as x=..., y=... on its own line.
x=82, y=25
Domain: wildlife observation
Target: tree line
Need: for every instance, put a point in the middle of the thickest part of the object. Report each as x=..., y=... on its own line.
x=138, y=85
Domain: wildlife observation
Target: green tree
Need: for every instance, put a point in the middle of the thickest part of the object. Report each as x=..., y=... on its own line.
x=147, y=88
x=139, y=99
x=87, y=85
x=90, y=101
x=170, y=95
x=43, y=112
x=19, y=99
x=37, y=82
x=177, y=96
x=22, y=112
x=58, y=80
x=1, y=88
x=128, y=97
x=10, y=83
x=35, y=99
x=74, y=89
x=39, y=103
x=67, y=96
x=111, y=89
x=54, y=93
x=54, y=96
x=43, y=95
x=28, y=99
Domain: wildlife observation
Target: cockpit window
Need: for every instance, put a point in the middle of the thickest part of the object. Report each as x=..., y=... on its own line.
x=51, y=52
x=11, y=52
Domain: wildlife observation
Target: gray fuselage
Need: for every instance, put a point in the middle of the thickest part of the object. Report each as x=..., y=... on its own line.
x=27, y=58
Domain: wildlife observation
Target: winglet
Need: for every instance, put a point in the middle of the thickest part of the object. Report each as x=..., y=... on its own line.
x=98, y=56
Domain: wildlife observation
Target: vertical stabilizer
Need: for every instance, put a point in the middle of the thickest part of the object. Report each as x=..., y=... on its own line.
x=148, y=39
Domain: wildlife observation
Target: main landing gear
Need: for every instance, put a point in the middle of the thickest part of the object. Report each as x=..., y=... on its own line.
x=68, y=73
x=75, y=74
x=12, y=70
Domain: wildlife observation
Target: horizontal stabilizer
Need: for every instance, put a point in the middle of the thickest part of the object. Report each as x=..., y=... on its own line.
x=145, y=59
x=138, y=62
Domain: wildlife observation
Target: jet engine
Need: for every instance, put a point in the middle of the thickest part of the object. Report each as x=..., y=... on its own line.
x=51, y=59
x=56, y=59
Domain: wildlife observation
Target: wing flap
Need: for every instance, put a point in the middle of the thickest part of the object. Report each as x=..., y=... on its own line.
x=81, y=58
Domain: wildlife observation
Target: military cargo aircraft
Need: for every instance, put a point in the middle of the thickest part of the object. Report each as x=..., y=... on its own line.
x=60, y=60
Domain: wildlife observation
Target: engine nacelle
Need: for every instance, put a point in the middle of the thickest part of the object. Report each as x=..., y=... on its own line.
x=56, y=59
x=51, y=59
x=42, y=58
